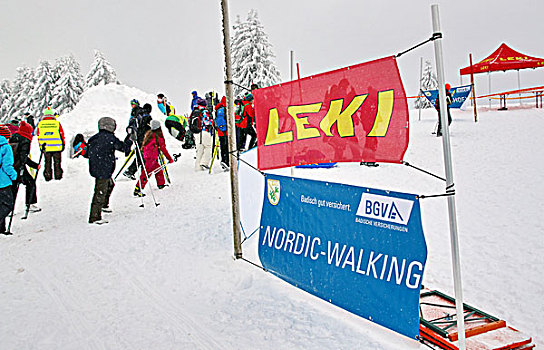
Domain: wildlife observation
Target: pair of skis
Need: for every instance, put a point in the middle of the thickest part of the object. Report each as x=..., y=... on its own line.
x=161, y=160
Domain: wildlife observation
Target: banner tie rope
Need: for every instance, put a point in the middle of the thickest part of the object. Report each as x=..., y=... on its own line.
x=248, y=237
x=451, y=193
x=432, y=38
x=243, y=161
x=233, y=83
x=424, y=171
x=254, y=264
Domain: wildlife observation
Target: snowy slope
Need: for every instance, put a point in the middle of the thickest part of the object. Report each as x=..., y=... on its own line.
x=164, y=278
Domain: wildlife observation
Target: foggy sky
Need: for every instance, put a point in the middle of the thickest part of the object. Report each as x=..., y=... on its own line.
x=175, y=46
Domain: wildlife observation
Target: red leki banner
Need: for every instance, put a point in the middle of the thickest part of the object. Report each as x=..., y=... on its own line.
x=352, y=114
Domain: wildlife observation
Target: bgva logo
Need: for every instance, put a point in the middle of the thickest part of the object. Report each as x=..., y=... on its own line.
x=392, y=209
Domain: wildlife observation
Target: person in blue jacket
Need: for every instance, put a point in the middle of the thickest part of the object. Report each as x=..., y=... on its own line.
x=194, y=101
x=101, y=153
x=7, y=176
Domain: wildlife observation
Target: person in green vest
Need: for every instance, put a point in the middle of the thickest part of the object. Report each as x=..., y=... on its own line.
x=176, y=124
x=51, y=138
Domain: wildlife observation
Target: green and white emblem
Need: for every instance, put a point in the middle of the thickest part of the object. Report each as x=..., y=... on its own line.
x=273, y=190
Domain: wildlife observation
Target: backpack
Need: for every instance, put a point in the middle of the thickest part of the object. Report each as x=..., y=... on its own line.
x=195, y=121
x=220, y=120
x=14, y=143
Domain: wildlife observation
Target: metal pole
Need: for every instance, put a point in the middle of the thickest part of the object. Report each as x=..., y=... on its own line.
x=450, y=187
x=234, y=185
x=292, y=70
x=519, y=88
x=473, y=89
x=420, y=92
x=489, y=87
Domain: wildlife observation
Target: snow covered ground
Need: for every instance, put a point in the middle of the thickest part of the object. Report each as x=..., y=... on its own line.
x=164, y=277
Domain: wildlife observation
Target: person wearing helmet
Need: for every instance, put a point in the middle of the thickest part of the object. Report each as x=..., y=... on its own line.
x=194, y=100
x=246, y=124
x=51, y=141
x=165, y=106
x=204, y=143
x=437, y=106
x=101, y=153
x=138, y=126
x=152, y=146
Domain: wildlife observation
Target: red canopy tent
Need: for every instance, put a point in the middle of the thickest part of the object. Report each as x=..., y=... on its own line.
x=504, y=58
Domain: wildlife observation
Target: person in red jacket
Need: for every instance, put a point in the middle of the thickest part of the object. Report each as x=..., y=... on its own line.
x=246, y=125
x=238, y=112
x=151, y=146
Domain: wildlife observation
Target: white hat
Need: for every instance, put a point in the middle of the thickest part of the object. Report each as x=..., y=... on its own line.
x=155, y=124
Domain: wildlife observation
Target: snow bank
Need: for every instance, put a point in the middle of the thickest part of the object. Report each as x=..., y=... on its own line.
x=164, y=278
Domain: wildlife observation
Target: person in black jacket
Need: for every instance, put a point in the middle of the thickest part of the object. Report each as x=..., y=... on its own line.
x=437, y=106
x=139, y=124
x=101, y=153
x=20, y=142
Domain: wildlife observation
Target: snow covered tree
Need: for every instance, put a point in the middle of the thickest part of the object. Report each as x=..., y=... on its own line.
x=21, y=92
x=428, y=82
x=252, y=56
x=69, y=85
x=101, y=73
x=42, y=94
x=5, y=100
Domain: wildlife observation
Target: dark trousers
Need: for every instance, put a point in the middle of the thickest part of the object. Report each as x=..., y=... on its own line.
x=6, y=206
x=244, y=133
x=52, y=160
x=250, y=131
x=30, y=184
x=224, y=147
x=439, y=130
x=101, y=198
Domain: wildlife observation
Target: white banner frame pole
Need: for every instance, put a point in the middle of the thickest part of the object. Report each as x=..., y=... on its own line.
x=292, y=77
x=450, y=186
x=420, y=92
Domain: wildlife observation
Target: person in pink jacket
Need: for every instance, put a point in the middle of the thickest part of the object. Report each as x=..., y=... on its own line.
x=151, y=146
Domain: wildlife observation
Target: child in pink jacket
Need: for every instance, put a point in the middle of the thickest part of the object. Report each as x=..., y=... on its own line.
x=152, y=144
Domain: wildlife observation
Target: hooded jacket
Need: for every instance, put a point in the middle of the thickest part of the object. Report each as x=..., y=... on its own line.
x=222, y=104
x=101, y=153
x=7, y=172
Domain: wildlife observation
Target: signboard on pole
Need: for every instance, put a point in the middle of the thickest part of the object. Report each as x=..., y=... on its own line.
x=353, y=114
x=459, y=95
x=359, y=248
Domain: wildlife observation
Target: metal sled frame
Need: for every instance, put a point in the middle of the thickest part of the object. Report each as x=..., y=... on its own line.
x=438, y=325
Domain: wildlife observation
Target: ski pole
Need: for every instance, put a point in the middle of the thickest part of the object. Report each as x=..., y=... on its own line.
x=129, y=157
x=165, y=171
x=147, y=176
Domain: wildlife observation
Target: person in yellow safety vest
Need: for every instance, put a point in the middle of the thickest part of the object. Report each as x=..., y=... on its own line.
x=51, y=141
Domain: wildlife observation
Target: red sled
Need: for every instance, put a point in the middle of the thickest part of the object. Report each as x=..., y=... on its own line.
x=438, y=326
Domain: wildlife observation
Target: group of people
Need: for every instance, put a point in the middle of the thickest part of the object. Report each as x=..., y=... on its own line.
x=213, y=122
x=15, y=142
x=142, y=131
x=204, y=129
